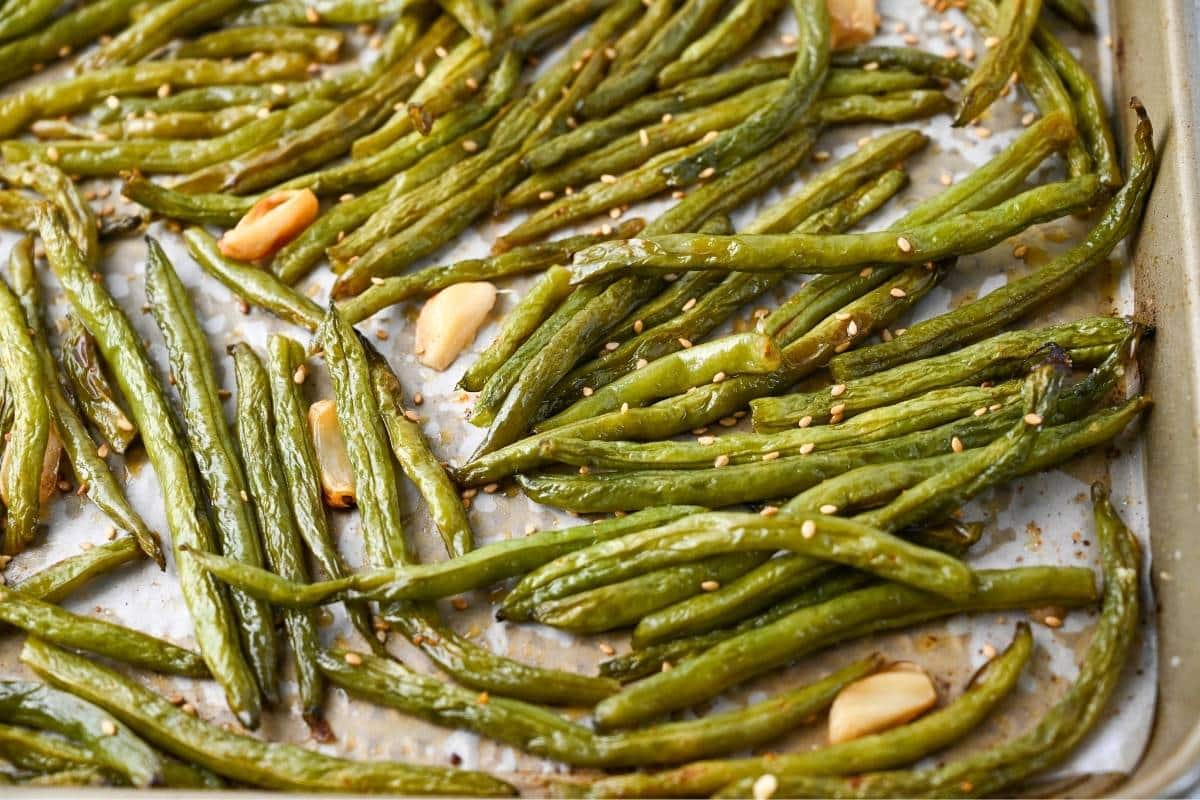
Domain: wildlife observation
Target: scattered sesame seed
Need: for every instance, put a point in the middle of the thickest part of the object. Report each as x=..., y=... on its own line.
x=808, y=529
x=707, y=172
x=710, y=586
x=108, y=728
x=721, y=461
x=979, y=412
x=896, y=291
x=606, y=648
x=1033, y=419
x=641, y=362
x=852, y=328
x=470, y=145
x=353, y=659
x=612, y=346
x=588, y=391
x=771, y=456
x=606, y=178
x=904, y=244
x=684, y=343
x=720, y=376
x=837, y=390
x=805, y=421
x=956, y=445
x=765, y=787
x=828, y=508
x=769, y=511
x=1052, y=621
x=638, y=326
x=666, y=119
x=301, y=374
x=807, y=448
x=1020, y=251
x=644, y=137
x=946, y=179
x=624, y=408
x=989, y=651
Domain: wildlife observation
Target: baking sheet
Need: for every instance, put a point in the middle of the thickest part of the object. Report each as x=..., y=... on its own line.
x=1044, y=519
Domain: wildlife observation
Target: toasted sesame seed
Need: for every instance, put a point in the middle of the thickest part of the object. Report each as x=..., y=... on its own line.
x=641, y=362
x=897, y=292
x=638, y=326
x=904, y=244
x=871, y=66
x=807, y=448
x=690, y=304
x=546, y=194
x=852, y=328
x=606, y=648
x=721, y=461
x=1033, y=419
x=108, y=728
x=606, y=178
x=771, y=456
x=418, y=399
x=102, y=451
x=991, y=41
x=588, y=391
x=483, y=698
x=710, y=137
x=946, y=179
x=707, y=173
x=808, y=529
x=769, y=511
x=828, y=508
x=720, y=376
x=956, y=445
x=460, y=603
x=610, y=346
x=411, y=415
x=301, y=374
x=727, y=422
x=805, y=421
x=1052, y=621
x=353, y=659
x=710, y=586
x=643, y=137
x=666, y=118
x=1020, y=251
x=164, y=90
x=837, y=390
x=979, y=412
x=684, y=343
x=472, y=83
x=837, y=410
x=989, y=651
x=470, y=145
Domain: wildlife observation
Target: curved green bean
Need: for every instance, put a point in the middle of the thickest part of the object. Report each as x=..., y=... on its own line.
x=332, y=12
x=1018, y=18
x=731, y=33
x=990, y=686
x=477, y=16
x=908, y=58
x=245, y=759
x=61, y=578
x=160, y=23
x=21, y=18
x=322, y=44
x=769, y=123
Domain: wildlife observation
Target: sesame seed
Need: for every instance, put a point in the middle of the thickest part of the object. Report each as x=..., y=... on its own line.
x=470, y=145
x=606, y=648
x=684, y=343
x=411, y=415
x=989, y=651
x=624, y=408
x=419, y=69
x=807, y=448
x=808, y=529
x=108, y=728
x=979, y=412
x=612, y=346
x=710, y=137
x=1052, y=622
x=956, y=445
x=1033, y=419
x=483, y=698
x=459, y=603
x=710, y=586
x=837, y=390
x=588, y=391
x=606, y=178
x=821, y=155
x=301, y=374
x=311, y=15
x=1028, y=119
x=102, y=451
x=1020, y=251
x=638, y=326
x=418, y=399
x=904, y=244
x=946, y=179
x=644, y=137
x=983, y=133
x=707, y=172
x=871, y=66
x=727, y=422
x=805, y=421
x=472, y=83
x=690, y=304
x=641, y=362
x=852, y=328
x=164, y=90
x=721, y=461
x=113, y=102
x=991, y=41
x=615, y=213
x=353, y=659
x=828, y=508
x=838, y=410
x=771, y=456
x=666, y=119
x=911, y=39
x=769, y=511
x=896, y=291
x=720, y=376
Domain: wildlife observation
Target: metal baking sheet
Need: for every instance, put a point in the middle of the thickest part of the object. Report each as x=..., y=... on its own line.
x=1045, y=519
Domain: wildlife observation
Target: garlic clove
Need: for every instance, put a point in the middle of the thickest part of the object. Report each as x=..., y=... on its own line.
x=333, y=462
x=449, y=321
x=881, y=701
x=852, y=22
x=270, y=224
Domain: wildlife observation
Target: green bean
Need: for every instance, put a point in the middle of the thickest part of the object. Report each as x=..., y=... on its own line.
x=733, y=32
x=311, y=12
x=734, y=291
x=650, y=109
x=155, y=28
x=418, y=462
x=919, y=61
x=500, y=385
x=243, y=758
x=92, y=390
x=21, y=476
x=84, y=725
x=969, y=232
x=480, y=669
x=366, y=442
x=31, y=15
x=543, y=733
x=34, y=751
x=89, y=467
x=321, y=44
x=1060, y=729
x=1018, y=18
x=61, y=578
x=97, y=636
x=281, y=536
x=857, y=613
x=766, y=125
x=1091, y=115
x=67, y=96
x=1074, y=12
x=929, y=410
x=477, y=569
x=997, y=356
x=152, y=155
x=432, y=279
x=530, y=312
x=906, y=744
x=477, y=16
x=55, y=186
x=223, y=210
x=744, y=353
x=623, y=603
x=684, y=412
x=294, y=444
x=173, y=125
x=1041, y=81
x=634, y=40
x=220, y=468
x=331, y=135
x=760, y=481
x=254, y=285
x=639, y=72
x=1017, y=298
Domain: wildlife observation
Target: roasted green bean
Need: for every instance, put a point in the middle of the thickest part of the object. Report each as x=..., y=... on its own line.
x=55, y=186
x=61, y=578
x=723, y=40
x=96, y=396
x=216, y=455
x=243, y=758
x=321, y=44
x=1018, y=18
